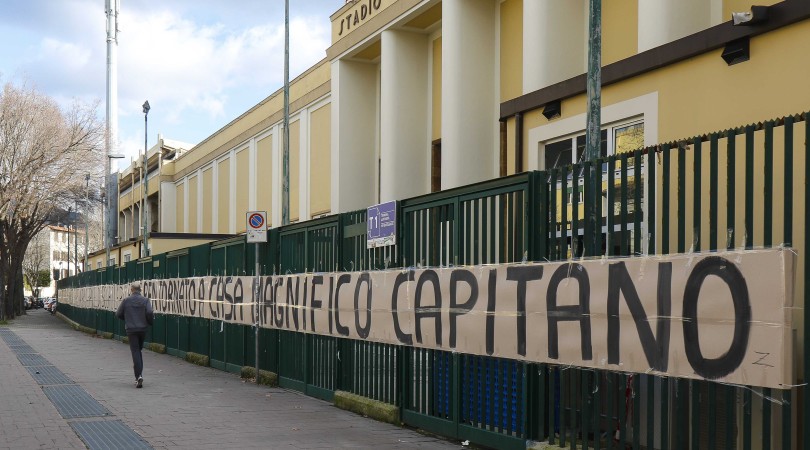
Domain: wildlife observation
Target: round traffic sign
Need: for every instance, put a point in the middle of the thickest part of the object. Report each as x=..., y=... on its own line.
x=256, y=220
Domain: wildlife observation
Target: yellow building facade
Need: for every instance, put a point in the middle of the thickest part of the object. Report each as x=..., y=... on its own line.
x=416, y=96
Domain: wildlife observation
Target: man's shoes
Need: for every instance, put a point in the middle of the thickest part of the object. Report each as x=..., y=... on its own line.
x=139, y=383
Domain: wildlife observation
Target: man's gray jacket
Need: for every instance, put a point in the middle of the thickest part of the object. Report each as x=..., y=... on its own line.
x=137, y=313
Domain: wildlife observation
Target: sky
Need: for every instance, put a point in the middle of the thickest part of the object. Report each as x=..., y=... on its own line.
x=199, y=63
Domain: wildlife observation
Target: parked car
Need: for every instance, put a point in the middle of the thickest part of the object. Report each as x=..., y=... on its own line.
x=28, y=302
x=39, y=303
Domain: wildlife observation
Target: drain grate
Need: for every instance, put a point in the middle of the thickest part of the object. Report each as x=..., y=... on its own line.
x=28, y=359
x=108, y=434
x=22, y=348
x=72, y=401
x=48, y=375
x=12, y=339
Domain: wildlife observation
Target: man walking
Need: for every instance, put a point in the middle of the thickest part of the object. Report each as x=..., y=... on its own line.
x=137, y=313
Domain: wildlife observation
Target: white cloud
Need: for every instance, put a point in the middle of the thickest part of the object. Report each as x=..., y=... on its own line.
x=71, y=57
x=200, y=63
x=173, y=61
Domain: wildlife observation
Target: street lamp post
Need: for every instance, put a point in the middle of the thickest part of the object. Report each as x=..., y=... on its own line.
x=76, y=240
x=86, y=197
x=145, y=212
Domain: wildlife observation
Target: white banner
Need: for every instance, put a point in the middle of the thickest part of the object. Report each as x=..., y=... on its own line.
x=721, y=316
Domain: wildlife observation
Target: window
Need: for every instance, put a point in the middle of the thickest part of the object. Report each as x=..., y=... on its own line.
x=627, y=138
x=98, y=265
x=127, y=258
x=618, y=138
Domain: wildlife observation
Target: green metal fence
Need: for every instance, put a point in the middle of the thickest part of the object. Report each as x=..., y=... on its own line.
x=745, y=187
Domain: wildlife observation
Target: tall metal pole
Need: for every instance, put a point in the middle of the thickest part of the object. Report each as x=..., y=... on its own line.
x=140, y=206
x=594, y=119
x=111, y=8
x=285, y=159
x=145, y=184
x=258, y=315
x=594, y=87
x=76, y=242
x=86, y=197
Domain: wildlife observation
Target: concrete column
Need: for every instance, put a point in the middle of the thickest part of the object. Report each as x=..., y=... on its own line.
x=663, y=21
x=232, y=189
x=136, y=222
x=215, y=197
x=555, y=41
x=404, y=135
x=185, y=207
x=278, y=172
x=168, y=207
x=354, y=135
x=199, y=201
x=122, y=224
x=303, y=165
x=469, y=92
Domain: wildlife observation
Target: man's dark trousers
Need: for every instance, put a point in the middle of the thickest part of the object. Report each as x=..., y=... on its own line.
x=135, y=346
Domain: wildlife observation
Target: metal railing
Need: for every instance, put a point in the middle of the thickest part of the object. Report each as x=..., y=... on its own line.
x=740, y=188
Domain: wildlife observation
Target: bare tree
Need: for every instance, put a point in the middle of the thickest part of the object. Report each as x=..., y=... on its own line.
x=45, y=153
x=95, y=225
x=37, y=260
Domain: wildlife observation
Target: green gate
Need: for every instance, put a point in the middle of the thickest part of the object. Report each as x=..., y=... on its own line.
x=227, y=339
x=177, y=265
x=199, y=329
x=464, y=396
x=368, y=369
x=307, y=362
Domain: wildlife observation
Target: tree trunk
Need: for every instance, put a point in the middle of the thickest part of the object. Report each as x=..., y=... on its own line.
x=16, y=293
x=19, y=293
x=4, y=272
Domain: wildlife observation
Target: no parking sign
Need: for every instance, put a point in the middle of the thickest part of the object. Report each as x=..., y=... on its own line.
x=256, y=226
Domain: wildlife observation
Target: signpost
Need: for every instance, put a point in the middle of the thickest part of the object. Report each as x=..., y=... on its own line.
x=256, y=233
x=381, y=225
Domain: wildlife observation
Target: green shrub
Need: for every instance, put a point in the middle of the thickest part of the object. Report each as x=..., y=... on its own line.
x=198, y=359
x=266, y=377
x=377, y=410
x=157, y=348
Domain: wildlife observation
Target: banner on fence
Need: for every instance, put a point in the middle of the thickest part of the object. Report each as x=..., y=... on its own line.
x=721, y=316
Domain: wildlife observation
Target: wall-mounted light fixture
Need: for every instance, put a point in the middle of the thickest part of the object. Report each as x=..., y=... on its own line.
x=757, y=15
x=736, y=51
x=552, y=110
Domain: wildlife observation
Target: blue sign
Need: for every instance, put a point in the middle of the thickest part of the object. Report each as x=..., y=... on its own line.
x=381, y=225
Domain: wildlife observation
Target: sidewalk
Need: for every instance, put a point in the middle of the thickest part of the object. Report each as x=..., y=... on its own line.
x=180, y=406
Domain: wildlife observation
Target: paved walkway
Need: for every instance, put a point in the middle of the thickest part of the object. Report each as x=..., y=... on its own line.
x=181, y=405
